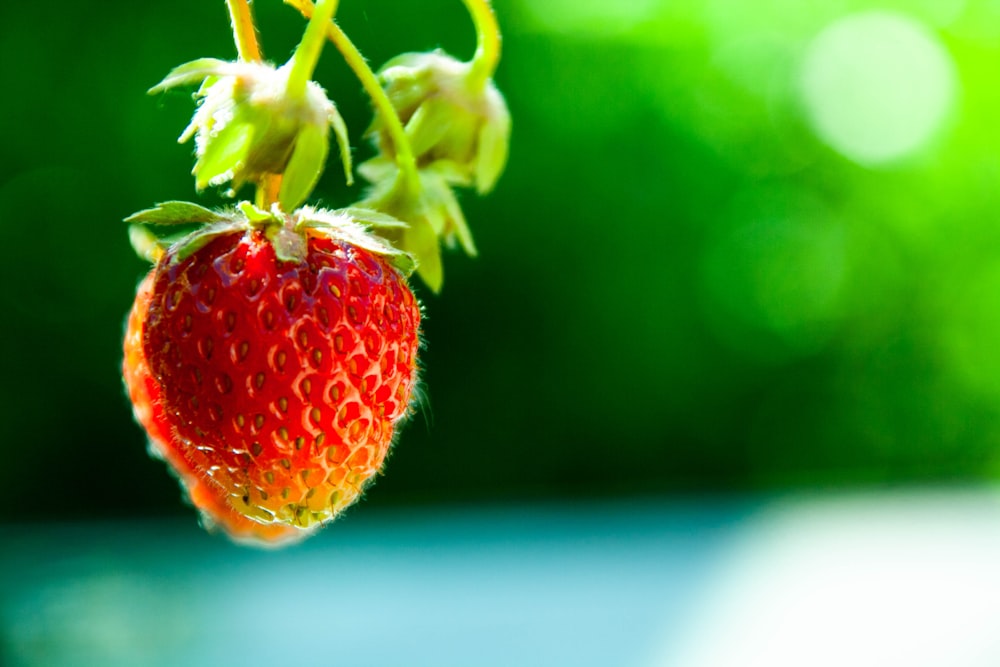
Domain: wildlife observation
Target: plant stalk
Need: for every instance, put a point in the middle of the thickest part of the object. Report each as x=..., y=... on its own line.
x=487, y=56
x=307, y=52
x=244, y=31
x=405, y=160
x=248, y=50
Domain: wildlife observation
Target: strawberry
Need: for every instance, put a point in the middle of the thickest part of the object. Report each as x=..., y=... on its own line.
x=271, y=355
x=144, y=392
x=271, y=363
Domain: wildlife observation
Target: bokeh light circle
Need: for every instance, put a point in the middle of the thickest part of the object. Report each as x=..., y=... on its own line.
x=876, y=86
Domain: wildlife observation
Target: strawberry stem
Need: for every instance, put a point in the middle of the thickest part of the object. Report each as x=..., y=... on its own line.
x=244, y=30
x=267, y=191
x=484, y=62
x=405, y=160
x=307, y=52
x=248, y=50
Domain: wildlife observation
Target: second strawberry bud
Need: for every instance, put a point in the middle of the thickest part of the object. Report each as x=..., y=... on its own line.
x=452, y=112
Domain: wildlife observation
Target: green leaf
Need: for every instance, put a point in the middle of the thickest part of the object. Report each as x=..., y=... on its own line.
x=223, y=154
x=201, y=238
x=343, y=142
x=351, y=225
x=255, y=216
x=421, y=241
x=458, y=226
x=145, y=243
x=380, y=171
x=494, y=140
x=175, y=213
x=304, y=167
x=189, y=73
x=429, y=124
x=403, y=262
x=289, y=246
x=371, y=217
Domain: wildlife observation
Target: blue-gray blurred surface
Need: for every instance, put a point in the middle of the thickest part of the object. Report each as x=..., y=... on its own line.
x=581, y=586
x=891, y=579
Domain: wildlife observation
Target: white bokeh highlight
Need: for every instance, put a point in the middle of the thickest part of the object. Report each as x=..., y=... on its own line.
x=876, y=86
x=865, y=582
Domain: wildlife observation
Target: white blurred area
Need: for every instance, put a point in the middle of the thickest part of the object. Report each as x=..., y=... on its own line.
x=877, y=86
x=904, y=578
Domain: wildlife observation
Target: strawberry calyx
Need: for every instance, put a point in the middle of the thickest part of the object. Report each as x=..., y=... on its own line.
x=181, y=228
x=432, y=213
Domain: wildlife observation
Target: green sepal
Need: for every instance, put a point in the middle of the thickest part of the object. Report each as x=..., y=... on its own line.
x=289, y=245
x=372, y=218
x=346, y=225
x=494, y=146
x=189, y=73
x=441, y=200
x=197, y=240
x=304, y=167
x=151, y=242
x=175, y=213
x=145, y=243
x=153, y=230
x=223, y=155
x=421, y=240
x=257, y=217
x=429, y=124
x=403, y=262
x=343, y=142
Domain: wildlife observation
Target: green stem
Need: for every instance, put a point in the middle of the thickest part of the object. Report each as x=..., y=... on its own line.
x=307, y=53
x=248, y=50
x=405, y=160
x=244, y=32
x=484, y=62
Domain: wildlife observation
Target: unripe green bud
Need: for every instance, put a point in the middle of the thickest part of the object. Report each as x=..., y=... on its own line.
x=451, y=114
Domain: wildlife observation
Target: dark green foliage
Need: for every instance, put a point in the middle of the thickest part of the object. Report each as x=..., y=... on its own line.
x=679, y=287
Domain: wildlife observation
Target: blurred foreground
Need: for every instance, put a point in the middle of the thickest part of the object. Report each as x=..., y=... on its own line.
x=863, y=580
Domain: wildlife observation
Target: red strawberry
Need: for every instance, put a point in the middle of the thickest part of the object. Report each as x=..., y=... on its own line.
x=186, y=462
x=272, y=381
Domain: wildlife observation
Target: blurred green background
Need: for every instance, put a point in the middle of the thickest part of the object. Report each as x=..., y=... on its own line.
x=738, y=246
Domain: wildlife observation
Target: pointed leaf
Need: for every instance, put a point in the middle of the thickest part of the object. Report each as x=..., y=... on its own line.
x=449, y=172
x=494, y=142
x=189, y=73
x=201, y=238
x=429, y=124
x=256, y=216
x=458, y=226
x=348, y=225
x=343, y=142
x=145, y=243
x=405, y=263
x=289, y=246
x=223, y=154
x=421, y=241
x=369, y=216
x=304, y=167
x=175, y=213
x=434, y=215
x=380, y=171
